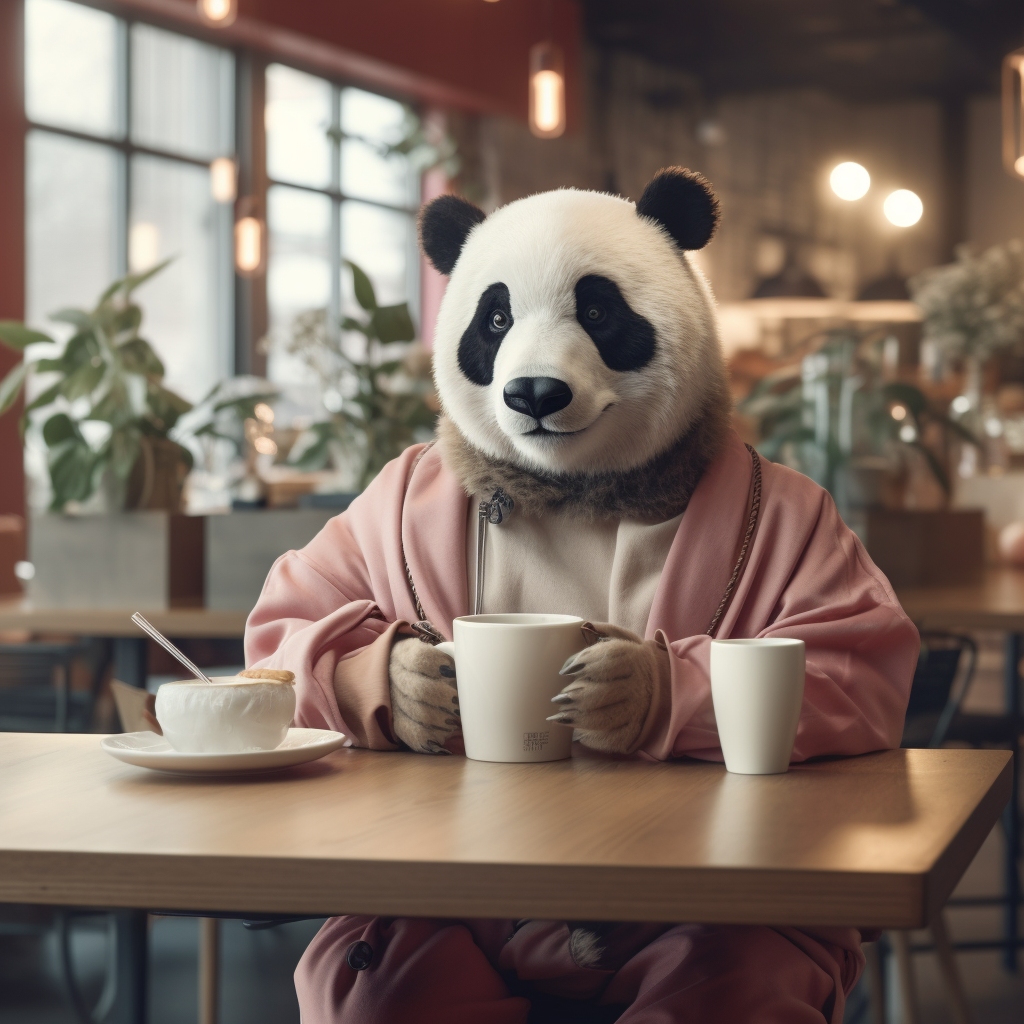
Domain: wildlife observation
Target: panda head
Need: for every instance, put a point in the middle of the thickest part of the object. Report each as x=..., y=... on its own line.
x=575, y=335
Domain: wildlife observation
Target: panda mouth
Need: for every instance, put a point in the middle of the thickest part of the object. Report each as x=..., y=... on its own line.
x=540, y=431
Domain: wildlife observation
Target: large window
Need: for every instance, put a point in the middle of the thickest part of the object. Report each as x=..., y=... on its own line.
x=337, y=192
x=124, y=122
x=125, y=119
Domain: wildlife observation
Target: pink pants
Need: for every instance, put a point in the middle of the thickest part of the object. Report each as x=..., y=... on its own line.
x=374, y=970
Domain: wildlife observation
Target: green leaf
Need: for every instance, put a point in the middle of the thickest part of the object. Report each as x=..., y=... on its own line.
x=72, y=466
x=166, y=407
x=123, y=448
x=49, y=395
x=78, y=317
x=16, y=335
x=137, y=356
x=115, y=406
x=130, y=282
x=82, y=382
x=10, y=386
x=363, y=288
x=60, y=365
x=127, y=320
x=349, y=324
x=393, y=323
x=245, y=406
x=60, y=428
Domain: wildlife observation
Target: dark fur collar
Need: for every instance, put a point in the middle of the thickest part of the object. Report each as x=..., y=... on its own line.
x=655, y=492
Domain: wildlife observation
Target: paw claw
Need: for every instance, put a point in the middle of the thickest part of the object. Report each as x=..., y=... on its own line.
x=561, y=719
x=570, y=666
x=562, y=698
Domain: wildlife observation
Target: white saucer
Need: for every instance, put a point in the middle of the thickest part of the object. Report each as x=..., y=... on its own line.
x=147, y=750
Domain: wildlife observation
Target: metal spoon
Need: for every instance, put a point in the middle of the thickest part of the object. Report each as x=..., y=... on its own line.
x=170, y=648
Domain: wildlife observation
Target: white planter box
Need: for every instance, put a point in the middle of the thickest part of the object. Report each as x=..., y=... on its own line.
x=125, y=560
x=242, y=546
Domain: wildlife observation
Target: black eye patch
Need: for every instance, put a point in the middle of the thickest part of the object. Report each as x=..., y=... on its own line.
x=479, y=344
x=623, y=337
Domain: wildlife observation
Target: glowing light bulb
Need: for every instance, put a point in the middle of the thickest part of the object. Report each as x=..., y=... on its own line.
x=961, y=404
x=222, y=180
x=217, y=12
x=547, y=91
x=908, y=433
x=850, y=181
x=263, y=412
x=903, y=208
x=898, y=412
x=1018, y=165
x=249, y=246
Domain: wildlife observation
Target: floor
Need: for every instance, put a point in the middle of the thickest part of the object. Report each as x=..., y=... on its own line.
x=256, y=967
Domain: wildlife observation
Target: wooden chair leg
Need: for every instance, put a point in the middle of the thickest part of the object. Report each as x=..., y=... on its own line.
x=876, y=982
x=950, y=971
x=209, y=969
x=905, y=970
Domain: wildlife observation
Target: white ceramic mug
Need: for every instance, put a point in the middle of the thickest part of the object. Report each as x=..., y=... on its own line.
x=758, y=689
x=227, y=716
x=507, y=672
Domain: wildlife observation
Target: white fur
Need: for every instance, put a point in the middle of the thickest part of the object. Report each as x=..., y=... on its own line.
x=540, y=247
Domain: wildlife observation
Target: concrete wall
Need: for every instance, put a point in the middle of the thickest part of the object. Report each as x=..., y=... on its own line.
x=769, y=157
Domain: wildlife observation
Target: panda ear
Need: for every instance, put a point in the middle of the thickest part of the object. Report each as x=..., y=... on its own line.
x=445, y=223
x=682, y=202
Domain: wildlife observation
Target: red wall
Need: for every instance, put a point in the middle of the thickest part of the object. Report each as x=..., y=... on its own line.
x=476, y=52
x=12, y=237
x=480, y=47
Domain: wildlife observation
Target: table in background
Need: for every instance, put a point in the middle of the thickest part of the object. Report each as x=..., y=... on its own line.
x=127, y=640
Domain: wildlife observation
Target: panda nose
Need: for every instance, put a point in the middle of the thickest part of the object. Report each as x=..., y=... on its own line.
x=537, y=396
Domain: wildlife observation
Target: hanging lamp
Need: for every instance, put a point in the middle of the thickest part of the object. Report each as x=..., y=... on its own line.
x=547, y=90
x=218, y=13
x=1013, y=113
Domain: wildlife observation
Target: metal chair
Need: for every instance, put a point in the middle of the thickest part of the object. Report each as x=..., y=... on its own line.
x=35, y=691
x=943, y=677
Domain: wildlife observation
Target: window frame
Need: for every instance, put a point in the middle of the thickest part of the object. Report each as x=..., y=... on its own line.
x=337, y=196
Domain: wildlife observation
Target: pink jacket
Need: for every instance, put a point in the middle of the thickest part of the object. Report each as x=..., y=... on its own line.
x=330, y=611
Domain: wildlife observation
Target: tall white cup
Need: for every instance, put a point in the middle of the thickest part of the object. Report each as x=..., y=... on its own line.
x=507, y=672
x=758, y=688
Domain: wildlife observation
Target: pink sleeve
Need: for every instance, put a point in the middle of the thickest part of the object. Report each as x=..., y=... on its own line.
x=328, y=604
x=861, y=648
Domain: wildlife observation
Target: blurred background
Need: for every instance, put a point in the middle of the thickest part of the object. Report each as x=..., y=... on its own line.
x=215, y=329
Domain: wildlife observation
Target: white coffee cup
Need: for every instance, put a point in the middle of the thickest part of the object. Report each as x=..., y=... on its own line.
x=227, y=716
x=758, y=689
x=507, y=672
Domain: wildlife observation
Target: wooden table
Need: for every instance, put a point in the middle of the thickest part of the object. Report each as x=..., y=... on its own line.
x=877, y=841
x=188, y=623
x=127, y=640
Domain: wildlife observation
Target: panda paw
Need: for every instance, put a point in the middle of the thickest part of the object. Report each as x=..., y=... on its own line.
x=610, y=692
x=424, y=697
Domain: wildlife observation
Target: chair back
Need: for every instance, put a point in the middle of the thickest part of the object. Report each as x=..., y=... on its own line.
x=944, y=672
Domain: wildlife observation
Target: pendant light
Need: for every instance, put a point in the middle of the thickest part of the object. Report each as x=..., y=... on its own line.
x=250, y=240
x=1013, y=113
x=219, y=13
x=547, y=90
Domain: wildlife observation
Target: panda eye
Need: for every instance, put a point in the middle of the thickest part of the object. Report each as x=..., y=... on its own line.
x=594, y=314
x=500, y=321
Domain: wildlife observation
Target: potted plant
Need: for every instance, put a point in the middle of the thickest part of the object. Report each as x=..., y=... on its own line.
x=865, y=439
x=107, y=375
x=973, y=308
x=375, y=385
